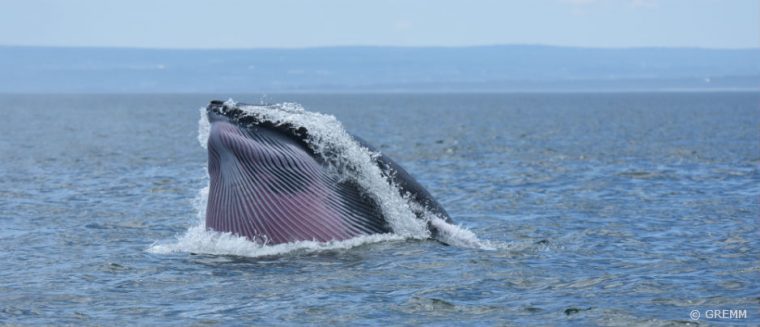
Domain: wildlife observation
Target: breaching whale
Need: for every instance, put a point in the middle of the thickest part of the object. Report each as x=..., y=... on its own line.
x=268, y=185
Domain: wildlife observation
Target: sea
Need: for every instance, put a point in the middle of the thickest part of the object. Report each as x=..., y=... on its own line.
x=612, y=209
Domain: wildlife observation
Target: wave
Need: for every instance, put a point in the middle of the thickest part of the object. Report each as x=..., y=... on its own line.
x=350, y=160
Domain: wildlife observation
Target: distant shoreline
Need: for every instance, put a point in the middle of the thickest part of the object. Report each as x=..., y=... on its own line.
x=381, y=92
x=512, y=68
x=329, y=47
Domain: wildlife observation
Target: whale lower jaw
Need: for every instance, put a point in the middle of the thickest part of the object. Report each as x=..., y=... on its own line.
x=269, y=188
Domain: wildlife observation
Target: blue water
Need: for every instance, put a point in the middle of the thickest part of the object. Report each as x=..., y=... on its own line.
x=609, y=209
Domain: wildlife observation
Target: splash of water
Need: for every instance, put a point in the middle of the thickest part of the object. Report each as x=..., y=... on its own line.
x=349, y=159
x=204, y=128
x=200, y=240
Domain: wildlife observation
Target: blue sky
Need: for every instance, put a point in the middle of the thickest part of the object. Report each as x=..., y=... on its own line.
x=303, y=23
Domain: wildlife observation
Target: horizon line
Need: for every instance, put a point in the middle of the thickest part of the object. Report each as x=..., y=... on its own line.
x=536, y=45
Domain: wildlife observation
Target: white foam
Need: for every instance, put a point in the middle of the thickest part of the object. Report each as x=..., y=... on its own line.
x=199, y=240
x=350, y=160
x=204, y=127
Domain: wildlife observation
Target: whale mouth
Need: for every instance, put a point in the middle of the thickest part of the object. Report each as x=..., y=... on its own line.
x=267, y=185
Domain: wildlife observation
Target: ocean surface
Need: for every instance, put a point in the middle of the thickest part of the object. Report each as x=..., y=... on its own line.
x=575, y=209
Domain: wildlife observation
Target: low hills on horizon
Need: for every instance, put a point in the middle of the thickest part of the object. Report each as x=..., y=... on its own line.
x=504, y=68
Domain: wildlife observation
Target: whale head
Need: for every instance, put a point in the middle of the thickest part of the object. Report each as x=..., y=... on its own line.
x=268, y=185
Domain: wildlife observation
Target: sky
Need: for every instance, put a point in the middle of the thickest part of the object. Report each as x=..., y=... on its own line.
x=303, y=23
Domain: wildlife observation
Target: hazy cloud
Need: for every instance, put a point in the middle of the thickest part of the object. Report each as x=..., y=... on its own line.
x=402, y=25
x=634, y=3
x=644, y=3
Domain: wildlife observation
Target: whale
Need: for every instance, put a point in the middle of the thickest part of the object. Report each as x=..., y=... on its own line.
x=269, y=185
